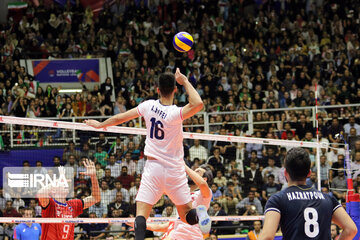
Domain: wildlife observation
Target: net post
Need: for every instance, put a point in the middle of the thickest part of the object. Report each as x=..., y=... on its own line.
x=251, y=122
x=318, y=166
x=73, y=132
x=314, y=113
x=316, y=124
x=11, y=136
x=206, y=122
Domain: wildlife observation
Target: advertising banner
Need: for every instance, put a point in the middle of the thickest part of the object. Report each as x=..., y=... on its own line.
x=57, y=71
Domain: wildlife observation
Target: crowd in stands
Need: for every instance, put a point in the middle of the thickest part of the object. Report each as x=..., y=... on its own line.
x=248, y=55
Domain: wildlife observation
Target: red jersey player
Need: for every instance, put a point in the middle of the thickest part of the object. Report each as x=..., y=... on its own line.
x=60, y=208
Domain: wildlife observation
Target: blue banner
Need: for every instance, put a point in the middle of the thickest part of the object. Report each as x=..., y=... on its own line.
x=51, y=71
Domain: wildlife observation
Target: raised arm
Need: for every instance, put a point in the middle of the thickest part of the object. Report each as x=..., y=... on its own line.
x=95, y=190
x=114, y=120
x=199, y=181
x=195, y=103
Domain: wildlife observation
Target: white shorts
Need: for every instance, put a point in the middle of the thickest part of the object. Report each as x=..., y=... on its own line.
x=158, y=180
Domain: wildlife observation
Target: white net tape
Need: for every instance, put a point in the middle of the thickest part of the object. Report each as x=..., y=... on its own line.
x=118, y=220
x=141, y=131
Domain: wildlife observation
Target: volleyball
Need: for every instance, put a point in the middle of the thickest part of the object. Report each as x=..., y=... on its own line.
x=183, y=41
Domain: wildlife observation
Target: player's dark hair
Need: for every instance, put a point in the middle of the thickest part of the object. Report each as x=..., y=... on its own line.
x=208, y=174
x=297, y=164
x=166, y=84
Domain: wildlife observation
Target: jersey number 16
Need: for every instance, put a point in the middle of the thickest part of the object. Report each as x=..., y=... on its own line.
x=156, y=129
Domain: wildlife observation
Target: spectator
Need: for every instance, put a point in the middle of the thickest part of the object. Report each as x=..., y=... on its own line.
x=324, y=170
x=116, y=228
x=71, y=151
x=89, y=228
x=334, y=129
x=339, y=185
x=253, y=235
x=114, y=166
x=302, y=127
x=355, y=165
x=253, y=176
x=351, y=124
x=271, y=169
x=35, y=205
x=198, y=151
x=9, y=210
x=218, y=211
x=99, y=210
x=333, y=172
x=129, y=164
x=120, y=205
x=125, y=178
x=110, y=180
x=220, y=180
x=71, y=162
x=335, y=233
x=270, y=188
x=216, y=161
x=216, y=193
x=86, y=151
x=124, y=192
x=106, y=196
x=248, y=201
x=56, y=161
x=100, y=173
x=169, y=211
x=101, y=156
x=312, y=180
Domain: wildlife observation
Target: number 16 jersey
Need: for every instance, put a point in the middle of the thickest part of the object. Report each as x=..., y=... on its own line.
x=305, y=212
x=164, y=137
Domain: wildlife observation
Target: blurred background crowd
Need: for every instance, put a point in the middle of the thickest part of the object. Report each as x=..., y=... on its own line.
x=248, y=55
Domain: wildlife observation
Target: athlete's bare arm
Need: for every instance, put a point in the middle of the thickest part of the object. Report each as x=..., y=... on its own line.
x=195, y=103
x=199, y=181
x=114, y=120
x=95, y=190
x=271, y=224
x=343, y=220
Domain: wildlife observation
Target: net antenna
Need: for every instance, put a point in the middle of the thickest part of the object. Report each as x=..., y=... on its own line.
x=347, y=163
x=317, y=159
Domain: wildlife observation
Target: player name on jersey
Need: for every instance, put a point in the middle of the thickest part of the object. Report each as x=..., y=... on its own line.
x=304, y=195
x=158, y=112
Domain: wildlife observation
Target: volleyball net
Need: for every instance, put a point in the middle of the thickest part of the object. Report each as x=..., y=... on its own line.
x=48, y=143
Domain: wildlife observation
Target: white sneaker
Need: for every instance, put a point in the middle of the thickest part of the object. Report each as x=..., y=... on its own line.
x=204, y=219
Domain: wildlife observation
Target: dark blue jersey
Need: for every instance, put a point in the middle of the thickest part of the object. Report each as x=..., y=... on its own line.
x=305, y=212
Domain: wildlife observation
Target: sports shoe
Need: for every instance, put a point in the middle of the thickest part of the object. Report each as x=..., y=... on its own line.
x=204, y=219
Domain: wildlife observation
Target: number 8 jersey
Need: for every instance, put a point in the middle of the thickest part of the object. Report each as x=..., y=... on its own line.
x=306, y=213
x=164, y=137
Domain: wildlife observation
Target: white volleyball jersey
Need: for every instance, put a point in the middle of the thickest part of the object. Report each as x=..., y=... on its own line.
x=184, y=231
x=164, y=137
